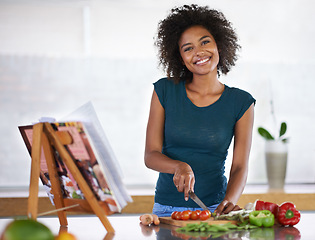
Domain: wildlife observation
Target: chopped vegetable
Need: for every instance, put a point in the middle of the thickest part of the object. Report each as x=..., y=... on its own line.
x=249, y=206
x=288, y=214
x=262, y=218
x=239, y=215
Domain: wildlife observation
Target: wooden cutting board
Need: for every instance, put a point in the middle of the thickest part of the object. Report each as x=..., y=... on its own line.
x=182, y=223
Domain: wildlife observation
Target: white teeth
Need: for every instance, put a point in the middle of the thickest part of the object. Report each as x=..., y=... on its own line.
x=202, y=61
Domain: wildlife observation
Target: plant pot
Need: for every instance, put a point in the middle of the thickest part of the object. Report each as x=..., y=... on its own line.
x=276, y=155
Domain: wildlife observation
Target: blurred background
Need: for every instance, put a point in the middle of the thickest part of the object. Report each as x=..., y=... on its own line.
x=57, y=55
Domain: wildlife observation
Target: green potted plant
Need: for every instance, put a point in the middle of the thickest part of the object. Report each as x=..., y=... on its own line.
x=276, y=155
x=266, y=135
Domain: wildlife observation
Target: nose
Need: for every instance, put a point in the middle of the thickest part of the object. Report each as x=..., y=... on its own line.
x=199, y=52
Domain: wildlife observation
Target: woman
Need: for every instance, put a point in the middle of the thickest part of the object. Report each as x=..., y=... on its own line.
x=193, y=116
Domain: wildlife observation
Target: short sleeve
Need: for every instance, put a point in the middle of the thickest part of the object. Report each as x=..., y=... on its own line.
x=243, y=101
x=160, y=89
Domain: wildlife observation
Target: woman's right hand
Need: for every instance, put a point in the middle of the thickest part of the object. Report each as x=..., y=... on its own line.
x=184, y=179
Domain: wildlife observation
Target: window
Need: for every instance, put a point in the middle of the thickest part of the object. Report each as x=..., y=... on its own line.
x=49, y=68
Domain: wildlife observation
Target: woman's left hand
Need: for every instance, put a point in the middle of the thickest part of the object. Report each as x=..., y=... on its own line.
x=225, y=207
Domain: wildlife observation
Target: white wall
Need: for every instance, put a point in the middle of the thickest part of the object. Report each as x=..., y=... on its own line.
x=56, y=56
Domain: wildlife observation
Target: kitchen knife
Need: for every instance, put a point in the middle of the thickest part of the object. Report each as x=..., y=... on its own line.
x=194, y=197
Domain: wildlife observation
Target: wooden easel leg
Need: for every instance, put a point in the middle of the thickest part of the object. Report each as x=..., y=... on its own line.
x=54, y=180
x=35, y=171
x=89, y=196
x=62, y=229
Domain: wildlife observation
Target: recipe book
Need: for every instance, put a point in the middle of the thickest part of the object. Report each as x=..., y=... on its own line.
x=93, y=155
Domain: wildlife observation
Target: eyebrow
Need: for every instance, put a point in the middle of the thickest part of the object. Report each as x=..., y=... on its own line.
x=186, y=44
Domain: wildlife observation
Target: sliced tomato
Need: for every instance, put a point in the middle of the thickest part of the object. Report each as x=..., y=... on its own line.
x=204, y=215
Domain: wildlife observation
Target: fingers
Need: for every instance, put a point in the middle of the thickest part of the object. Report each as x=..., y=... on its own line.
x=189, y=187
x=177, y=182
x=185, y=184
x=220, y=207
x=184, y=179
x=181, y=183
x=236, y=207
x=225, y=207
x=230, y=207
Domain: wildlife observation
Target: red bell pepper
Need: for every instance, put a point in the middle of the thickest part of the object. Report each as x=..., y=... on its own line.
x=272, y=207
x=288, y=214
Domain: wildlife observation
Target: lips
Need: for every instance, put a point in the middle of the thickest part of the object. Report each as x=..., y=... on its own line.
x=201, y=61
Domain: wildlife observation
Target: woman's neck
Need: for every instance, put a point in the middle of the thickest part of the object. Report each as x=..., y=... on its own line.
x=205, y=85
x=204, y=91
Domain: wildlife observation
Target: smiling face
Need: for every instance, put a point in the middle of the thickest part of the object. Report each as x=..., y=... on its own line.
x=199, y=51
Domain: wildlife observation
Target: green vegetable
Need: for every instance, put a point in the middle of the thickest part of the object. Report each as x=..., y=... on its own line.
x=262, y=218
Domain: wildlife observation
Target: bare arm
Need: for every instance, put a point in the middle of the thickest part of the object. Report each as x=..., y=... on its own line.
x=184, y=178
x=239, y=169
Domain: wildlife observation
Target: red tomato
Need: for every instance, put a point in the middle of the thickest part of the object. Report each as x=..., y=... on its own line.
x=185, y=215
x=176, y=215
x=195, y=215
x=173, y=216
x=204, y=215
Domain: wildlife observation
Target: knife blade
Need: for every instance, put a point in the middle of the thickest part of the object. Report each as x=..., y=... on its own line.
x=194, y=197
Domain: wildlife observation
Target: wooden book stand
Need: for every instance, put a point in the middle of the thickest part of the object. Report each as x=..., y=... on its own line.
x=44, y=136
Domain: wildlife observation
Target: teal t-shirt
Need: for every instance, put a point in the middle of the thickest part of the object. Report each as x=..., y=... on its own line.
x=199, y=136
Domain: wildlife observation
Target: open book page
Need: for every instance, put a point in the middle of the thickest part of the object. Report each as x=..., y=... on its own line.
x=107, y=166
x=86, y=114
